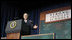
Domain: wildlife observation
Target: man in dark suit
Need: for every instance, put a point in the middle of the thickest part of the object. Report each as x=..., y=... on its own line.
x=27, y=25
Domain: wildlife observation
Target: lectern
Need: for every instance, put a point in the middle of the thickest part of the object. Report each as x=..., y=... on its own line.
x=13, y=29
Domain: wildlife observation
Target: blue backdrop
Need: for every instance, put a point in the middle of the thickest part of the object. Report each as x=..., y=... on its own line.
x=8, y=13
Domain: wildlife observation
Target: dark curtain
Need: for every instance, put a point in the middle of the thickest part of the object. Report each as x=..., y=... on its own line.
x=9, y=13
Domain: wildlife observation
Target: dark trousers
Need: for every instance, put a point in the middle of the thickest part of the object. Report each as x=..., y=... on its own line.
x=25, y=33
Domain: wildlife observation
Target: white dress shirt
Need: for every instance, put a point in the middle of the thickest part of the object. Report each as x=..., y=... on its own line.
x=25, y=21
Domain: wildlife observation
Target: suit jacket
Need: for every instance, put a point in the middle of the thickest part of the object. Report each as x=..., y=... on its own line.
x=26, y=27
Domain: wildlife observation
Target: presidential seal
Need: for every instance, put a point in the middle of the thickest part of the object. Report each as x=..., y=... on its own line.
x=13, y=24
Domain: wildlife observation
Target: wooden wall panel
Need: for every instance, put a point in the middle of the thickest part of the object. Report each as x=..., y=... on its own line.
x=42, y=14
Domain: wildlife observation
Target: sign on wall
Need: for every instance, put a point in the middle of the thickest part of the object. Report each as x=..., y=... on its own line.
x=60, y=15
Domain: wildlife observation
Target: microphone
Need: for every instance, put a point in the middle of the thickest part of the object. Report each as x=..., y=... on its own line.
x=15, y=18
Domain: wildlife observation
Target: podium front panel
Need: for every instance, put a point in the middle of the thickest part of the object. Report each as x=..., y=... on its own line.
x=13, y=26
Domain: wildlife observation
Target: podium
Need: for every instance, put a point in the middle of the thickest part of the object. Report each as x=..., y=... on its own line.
x=13, y=29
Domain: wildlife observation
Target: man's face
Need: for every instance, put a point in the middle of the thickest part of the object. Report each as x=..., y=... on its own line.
x=25, y=16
